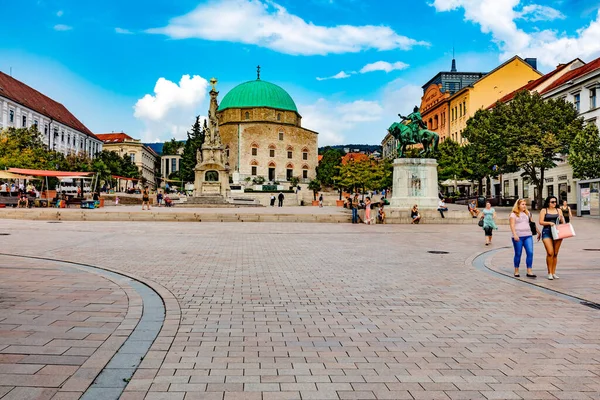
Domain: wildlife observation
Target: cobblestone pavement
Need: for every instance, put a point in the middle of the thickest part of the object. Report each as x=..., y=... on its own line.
x=319, y=311
x=57, y=328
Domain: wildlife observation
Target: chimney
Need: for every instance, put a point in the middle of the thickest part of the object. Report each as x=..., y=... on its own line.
x=532, y=62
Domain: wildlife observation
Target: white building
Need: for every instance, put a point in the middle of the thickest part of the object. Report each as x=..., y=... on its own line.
x=578, y=83
x=22, y=106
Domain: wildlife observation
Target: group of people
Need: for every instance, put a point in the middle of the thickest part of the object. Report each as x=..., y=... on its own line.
x=280, y=197
x=524, y=228
x=354, y=204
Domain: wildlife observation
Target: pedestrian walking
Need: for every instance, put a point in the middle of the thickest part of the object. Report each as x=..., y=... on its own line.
x=551, y=215
x=522, y=236
x=368, y=211
x=159, y=198
x=488, y=216
x=146, y=198
x=280, y=198
x=321, y=200
x=566, y=212
x=273, y=200
x=354, y=207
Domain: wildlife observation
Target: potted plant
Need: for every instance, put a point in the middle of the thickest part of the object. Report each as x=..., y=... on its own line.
x=315, y=186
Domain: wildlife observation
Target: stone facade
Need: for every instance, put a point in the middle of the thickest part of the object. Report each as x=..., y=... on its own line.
x=267, y=142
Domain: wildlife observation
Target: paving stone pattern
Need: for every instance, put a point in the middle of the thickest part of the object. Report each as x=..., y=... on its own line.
x=313, y=311
x=54, y=321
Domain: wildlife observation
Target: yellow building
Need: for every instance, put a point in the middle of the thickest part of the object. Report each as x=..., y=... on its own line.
x=503, y=80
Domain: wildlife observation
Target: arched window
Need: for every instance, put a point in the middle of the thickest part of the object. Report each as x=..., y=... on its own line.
x=246, y=115
x=305, y=171
x=305, y=153
x=278, y=116
x=254, y=167
x=272, y=150
x=271, y=164
x=254, y=149
x=290, y=152
x=289, y=171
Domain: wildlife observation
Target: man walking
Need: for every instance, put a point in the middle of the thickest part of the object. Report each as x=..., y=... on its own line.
x=321, y=200
x=354, y=205
x=280, y=198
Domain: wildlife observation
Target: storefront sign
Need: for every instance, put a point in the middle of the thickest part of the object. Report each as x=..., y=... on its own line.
x=585, y=199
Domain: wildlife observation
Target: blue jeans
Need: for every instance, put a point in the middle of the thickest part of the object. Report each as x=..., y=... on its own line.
x=354, y=215
x=527, y=242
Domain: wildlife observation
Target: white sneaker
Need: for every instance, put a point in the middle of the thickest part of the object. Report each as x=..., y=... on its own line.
x=555, y=276
x=550, y=277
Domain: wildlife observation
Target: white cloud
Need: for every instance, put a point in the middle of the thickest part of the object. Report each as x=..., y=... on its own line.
x=123, y=31
x=338, y=122
x=267, y=24
x=536, y=12
x=62, y=27
x=60, y=13
x=383, y=66
x=550, y=47
x=339, y=75
x=171, y=110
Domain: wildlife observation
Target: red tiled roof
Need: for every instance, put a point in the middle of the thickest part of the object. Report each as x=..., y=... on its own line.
x=356, y=157
x=531, y=85
x=118, y=137
x=28, y=97
x=576, y=73
x=320, y=157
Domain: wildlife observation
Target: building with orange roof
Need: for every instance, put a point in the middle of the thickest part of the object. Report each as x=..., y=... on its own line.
x=141, y=155
x=579, y=83
x=21, y=106
x=354, y=157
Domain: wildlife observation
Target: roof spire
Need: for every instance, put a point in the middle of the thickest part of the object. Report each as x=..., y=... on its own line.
x=453, y=69
x=258, y=73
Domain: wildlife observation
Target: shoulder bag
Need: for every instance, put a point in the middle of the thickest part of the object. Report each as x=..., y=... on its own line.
x=532, y=226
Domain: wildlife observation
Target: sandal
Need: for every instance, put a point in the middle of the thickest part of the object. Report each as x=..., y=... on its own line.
x=531, y=275
x=517, y=276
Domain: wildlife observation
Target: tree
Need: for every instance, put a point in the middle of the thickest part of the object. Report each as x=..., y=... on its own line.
x=327, y=168
x=363, y=175
x=315, y=186
x=172, y=147
x=190, y=150
x=584, y=153
x=486, y=154
x=23, y=148
x=450, y=160
x=537, y=133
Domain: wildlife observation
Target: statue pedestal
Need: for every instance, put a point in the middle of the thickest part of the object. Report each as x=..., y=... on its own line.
x=415, y=182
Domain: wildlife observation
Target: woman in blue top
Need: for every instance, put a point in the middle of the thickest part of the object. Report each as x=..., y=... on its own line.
x=489, y=222
x=550, y=216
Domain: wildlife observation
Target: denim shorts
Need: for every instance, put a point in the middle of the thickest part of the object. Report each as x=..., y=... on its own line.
x=547, y=233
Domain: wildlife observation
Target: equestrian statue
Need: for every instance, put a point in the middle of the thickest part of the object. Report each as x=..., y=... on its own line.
x=412, y=130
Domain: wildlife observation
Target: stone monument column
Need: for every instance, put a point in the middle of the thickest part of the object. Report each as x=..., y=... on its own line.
x=415, y=181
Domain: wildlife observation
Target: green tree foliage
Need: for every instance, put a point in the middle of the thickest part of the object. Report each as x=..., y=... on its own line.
x=327, y=168
x=450, y=160
x=536, y=133
x=315, y=186
x=192, y=145
x=23, y=148
x=364, y=175
x=584, y=153
x=172, y=147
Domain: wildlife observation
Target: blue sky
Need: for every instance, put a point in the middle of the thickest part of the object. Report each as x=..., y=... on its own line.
x=350, y=65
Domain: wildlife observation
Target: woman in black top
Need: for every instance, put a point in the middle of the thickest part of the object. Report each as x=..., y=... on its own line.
x=566, y=211
x=551, y=215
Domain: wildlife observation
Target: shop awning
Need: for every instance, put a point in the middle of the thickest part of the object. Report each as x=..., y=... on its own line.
x=124, y=178
x=49, y=174
x=10, y=175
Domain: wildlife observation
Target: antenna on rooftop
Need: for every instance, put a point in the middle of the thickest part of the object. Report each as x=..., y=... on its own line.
x=453, y=69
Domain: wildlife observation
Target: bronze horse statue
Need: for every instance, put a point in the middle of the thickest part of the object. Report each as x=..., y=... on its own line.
x=412, y=133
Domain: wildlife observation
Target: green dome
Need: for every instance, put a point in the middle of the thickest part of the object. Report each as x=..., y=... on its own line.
x=258, y=94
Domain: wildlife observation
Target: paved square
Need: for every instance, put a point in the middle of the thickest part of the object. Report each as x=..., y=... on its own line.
x=326, y=311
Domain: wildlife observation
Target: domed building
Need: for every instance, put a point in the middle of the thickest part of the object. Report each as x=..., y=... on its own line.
x=261, y=130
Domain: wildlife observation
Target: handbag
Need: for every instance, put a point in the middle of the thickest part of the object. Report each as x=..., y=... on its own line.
x=532, y=226
x=480, y=223
x=562, y=231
